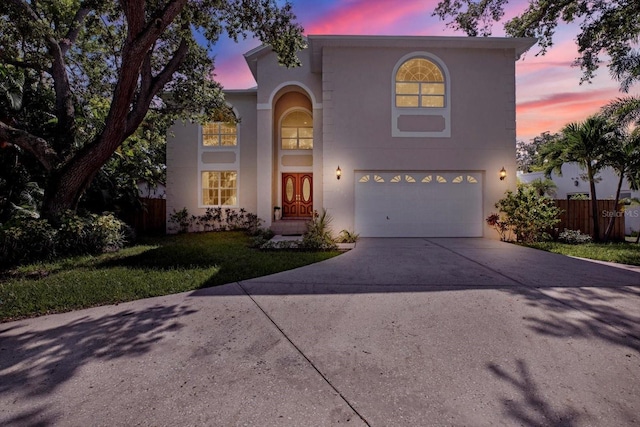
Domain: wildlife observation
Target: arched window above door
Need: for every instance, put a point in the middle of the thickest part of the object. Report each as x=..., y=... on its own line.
x=296, y=131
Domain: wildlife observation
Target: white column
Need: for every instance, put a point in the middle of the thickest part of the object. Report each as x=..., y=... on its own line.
x=265, y=166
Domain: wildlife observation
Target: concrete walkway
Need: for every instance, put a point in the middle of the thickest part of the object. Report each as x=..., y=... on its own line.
x=464, y=332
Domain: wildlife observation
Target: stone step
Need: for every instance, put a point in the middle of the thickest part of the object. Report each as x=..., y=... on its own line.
x=289, y=227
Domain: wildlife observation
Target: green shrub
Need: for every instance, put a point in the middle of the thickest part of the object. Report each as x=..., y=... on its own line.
x=111, y=234
x=180, y=221
x=347, y=236
x=75, y=235
x=91, y=234
x=26, y=239
x=261, y=237
x=501, y=225
x=215, y=219
x=319, y=235
x=530, y=215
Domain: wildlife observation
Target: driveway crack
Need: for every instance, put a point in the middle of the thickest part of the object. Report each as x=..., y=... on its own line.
x=313, y=365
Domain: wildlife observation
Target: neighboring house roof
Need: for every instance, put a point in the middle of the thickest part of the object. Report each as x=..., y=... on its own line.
x=317, y=42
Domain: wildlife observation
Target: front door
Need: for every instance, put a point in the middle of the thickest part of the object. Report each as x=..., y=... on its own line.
x=297, y=195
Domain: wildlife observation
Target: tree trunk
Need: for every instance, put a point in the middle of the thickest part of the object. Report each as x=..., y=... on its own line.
x=67, y=184
x=594, y=203
x=612, y=219
x=64, y=190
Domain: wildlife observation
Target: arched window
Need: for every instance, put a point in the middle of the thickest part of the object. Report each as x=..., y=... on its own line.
x=419, y=84
x=296, y=131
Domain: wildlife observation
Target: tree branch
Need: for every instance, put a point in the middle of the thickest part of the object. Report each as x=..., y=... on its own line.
x=156, y=25
x=122, y=116
x=22, y=64
x=64, y=100
x=37, y=146
x=74, y=29
x=150, y=88
x=65, y=111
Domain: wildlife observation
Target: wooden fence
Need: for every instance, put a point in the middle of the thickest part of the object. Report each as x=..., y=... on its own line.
x=577, y=215
x=151, y=219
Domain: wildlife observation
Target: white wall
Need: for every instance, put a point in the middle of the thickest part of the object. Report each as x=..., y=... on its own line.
x=357, y=108
x=185, y=157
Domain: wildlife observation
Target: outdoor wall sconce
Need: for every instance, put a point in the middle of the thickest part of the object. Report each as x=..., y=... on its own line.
x=338, y=172
x=503, y=174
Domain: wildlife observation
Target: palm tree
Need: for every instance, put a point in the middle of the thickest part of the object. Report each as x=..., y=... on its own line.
x=624, y=157
x=583, y=143
x=625, y=111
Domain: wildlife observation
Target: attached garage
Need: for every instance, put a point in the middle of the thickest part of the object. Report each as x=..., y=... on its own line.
x=419, y=204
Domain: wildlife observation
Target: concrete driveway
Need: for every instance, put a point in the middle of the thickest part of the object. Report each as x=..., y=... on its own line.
x=464, y=332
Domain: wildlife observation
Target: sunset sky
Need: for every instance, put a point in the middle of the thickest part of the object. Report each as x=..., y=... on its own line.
x=549, y=93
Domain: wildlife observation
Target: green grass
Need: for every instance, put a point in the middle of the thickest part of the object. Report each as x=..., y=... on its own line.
x=624, y=253
x=161, y=266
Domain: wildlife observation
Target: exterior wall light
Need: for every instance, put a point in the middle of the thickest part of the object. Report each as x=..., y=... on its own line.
x=503, y=174
x=338, y=172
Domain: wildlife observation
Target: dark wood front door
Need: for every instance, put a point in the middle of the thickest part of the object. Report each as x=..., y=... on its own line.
x=297, y=195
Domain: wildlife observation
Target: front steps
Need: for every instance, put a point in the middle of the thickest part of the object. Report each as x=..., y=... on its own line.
x=289, y=227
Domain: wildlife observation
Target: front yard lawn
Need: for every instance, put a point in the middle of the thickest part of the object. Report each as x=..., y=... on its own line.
x=624, y=253
x=161, y=266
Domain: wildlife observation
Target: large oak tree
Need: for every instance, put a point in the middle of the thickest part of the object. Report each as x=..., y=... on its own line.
x=93, y=70
x=609, y=29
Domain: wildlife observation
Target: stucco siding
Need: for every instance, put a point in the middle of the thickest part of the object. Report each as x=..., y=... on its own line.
x=182, y=155
x=357, y=105
x=348, y=84
x=186, y=158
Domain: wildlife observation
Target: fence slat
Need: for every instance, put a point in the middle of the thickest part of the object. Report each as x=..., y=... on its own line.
x=577, y=216
x=150, y=219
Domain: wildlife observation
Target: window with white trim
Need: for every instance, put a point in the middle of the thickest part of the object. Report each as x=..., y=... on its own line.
x=296, y=131
x=219, y=188
x=219, y=134
x=419, y=84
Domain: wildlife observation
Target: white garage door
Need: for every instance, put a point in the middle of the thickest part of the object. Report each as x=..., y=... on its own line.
x=419, y=204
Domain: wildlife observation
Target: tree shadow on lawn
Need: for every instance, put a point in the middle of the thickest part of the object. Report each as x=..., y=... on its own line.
x=164, y=258
x=34, y=363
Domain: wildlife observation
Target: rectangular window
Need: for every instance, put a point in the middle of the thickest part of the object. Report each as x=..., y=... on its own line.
x=413, y=95
x=219, y=134
x=432, y=101
x=432, y=88
x=407, y=101
x=407, y=88
x=220, y=188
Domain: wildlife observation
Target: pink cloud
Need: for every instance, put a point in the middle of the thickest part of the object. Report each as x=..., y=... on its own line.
x=552, y=112
x=368, y=17
x=559, y=100
x=233, y=73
